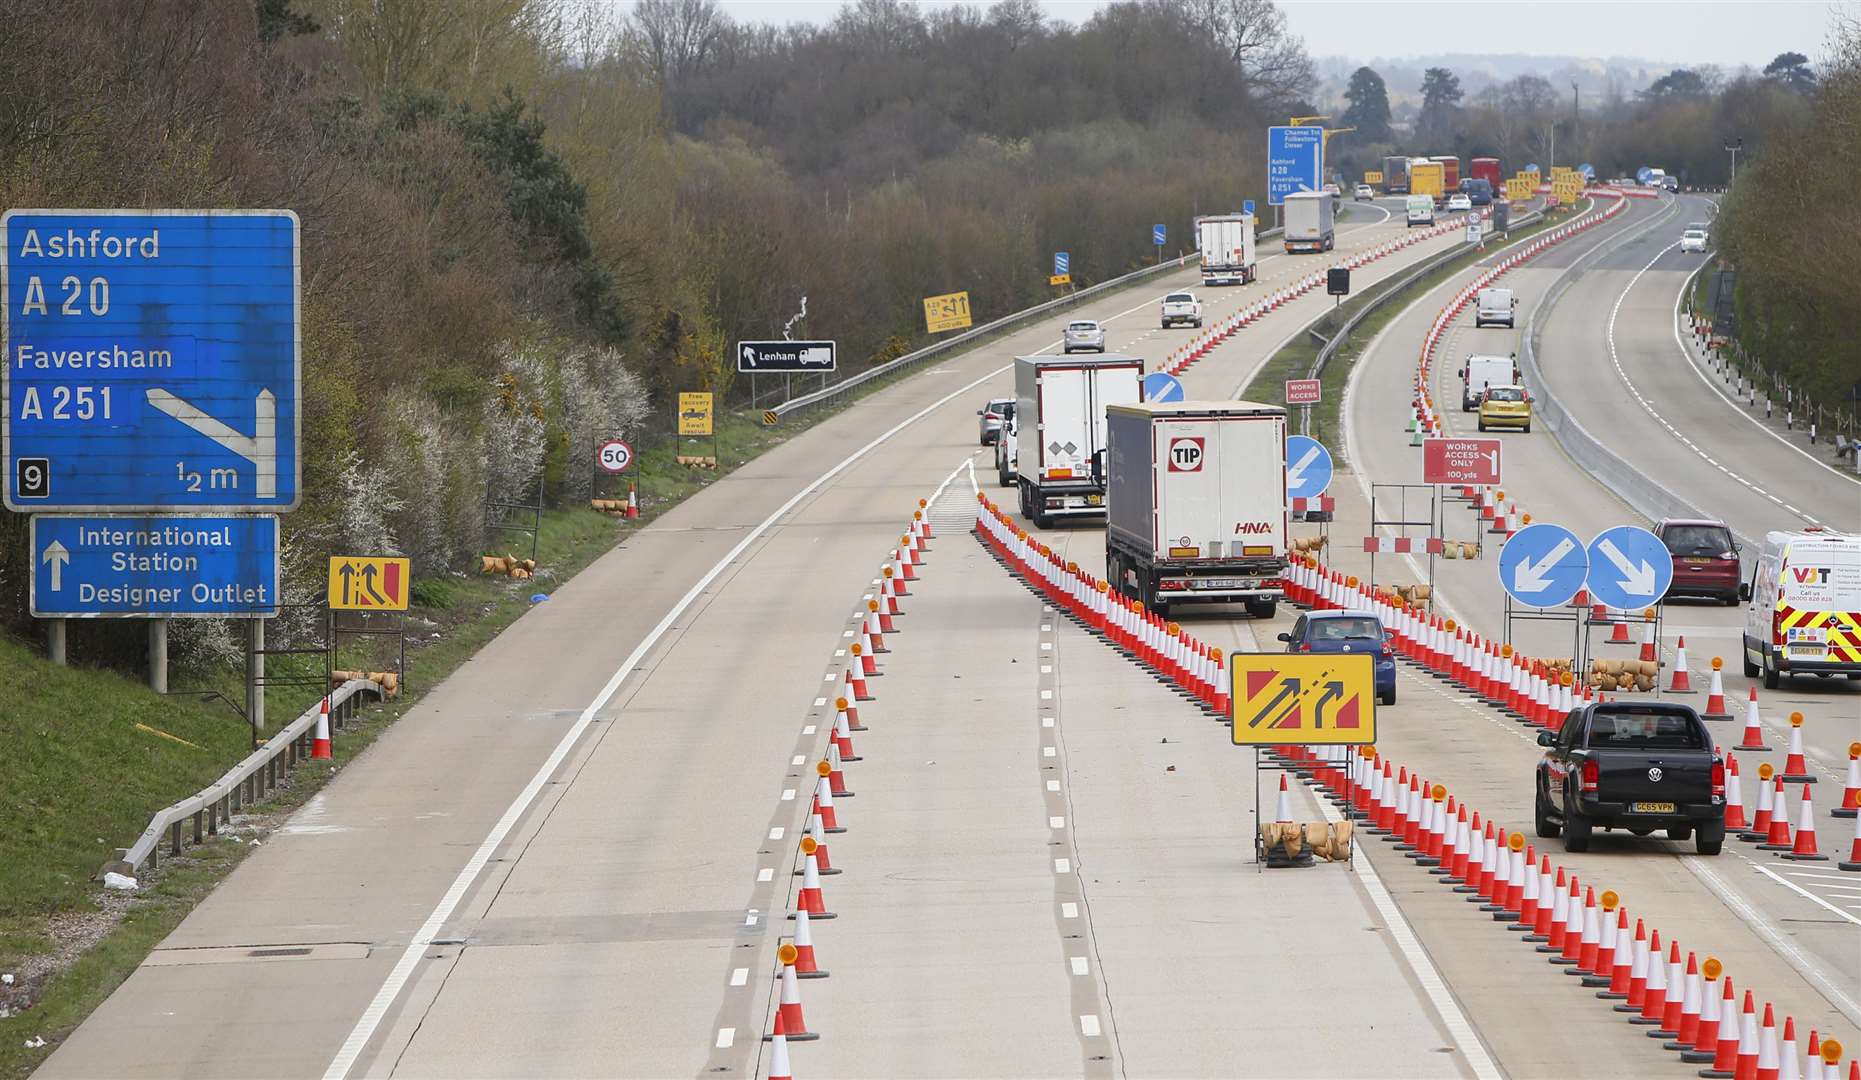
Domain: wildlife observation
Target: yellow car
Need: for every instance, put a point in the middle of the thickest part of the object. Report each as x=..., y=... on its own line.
x=1505, y=406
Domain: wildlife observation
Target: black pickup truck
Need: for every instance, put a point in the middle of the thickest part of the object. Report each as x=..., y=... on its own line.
x=1639, y=766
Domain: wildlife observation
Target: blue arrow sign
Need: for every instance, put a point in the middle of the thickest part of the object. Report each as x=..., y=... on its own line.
x=1247, y=206
x=1308, y=467
x=1295, y=161
x=1162, y=386
x=1642, y=174
x=1062, y=263
x=1630, y=568
x=152, y=360
x=1542, y=565
x=178, y=566
x=1158, y=234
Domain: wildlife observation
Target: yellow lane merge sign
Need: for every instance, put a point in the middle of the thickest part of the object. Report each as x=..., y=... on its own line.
x=368, y=583
x=1372, y=176
x=1303, y=699
x=694, y=413
x=947, y=312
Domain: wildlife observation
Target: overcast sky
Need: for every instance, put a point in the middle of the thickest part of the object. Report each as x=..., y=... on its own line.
x=1724, y=32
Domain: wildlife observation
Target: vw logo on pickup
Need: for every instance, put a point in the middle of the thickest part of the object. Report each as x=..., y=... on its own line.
x=1654, y=775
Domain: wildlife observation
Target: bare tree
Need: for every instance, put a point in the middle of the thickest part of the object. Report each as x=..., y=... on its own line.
x=1253, y=34
x=678, y=36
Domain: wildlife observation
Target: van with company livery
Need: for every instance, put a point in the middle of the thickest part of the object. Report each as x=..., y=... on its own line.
x=1803, y=606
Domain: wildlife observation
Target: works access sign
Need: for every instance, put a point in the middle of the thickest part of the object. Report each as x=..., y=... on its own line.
x=1303, y=699
x=1460, y=461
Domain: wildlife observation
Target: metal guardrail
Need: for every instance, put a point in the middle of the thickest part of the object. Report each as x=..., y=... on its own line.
x=246, y=783
x=976, y=334
x=1641, y=492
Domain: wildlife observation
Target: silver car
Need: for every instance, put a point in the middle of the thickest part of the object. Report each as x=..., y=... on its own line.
x=1083, y=334
x=994, y=415
x=1694, y=239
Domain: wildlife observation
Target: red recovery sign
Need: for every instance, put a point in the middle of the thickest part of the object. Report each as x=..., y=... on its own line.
x=1460, y=461
x=1304, y=391
x=1186, y=454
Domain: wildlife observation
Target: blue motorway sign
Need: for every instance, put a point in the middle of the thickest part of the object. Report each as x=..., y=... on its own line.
x=1158, y=234
x=173, y=566
x=1295, y=161
x=1062, y=263
x=1308, y=467
x=1542, y=565
x=1247, y=206
x=152, y=360
x=1642, y=174
x=1630, y=568
x=1162, y=386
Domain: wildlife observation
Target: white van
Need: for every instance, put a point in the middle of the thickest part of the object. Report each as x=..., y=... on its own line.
x=1494, y=308
x=1481, y=372
x=1421, y=209
x=1803, y=606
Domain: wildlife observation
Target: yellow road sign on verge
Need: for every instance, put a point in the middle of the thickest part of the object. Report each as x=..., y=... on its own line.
x=771, y=418
x=368, y=583
x=1372, y=176
x=947, y=312
x=1058, y=279
x=694, y=412
x=1302, y=699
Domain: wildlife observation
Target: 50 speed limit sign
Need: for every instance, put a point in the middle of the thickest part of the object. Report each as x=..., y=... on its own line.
x=614, y=456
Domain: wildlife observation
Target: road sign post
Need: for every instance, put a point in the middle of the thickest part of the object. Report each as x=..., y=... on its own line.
x=1295, y=161
x=1158, y=235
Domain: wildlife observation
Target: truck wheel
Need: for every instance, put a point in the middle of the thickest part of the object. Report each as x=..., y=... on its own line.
x=1262, y=609
x=1680, y=834
x=1576, y=832
x=1710, y=839
x=1547, y=829
x=1001, y=472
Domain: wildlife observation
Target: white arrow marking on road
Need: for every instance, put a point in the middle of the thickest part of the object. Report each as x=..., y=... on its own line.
x=58, y=555
x=1529, y=577
x=1638, y=580
x=260, y=448
x=1295, y=476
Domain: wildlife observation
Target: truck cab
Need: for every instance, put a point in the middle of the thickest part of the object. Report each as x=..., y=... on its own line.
x=1639, y=766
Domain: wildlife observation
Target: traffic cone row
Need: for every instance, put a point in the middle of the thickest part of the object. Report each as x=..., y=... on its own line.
x=1428, y=423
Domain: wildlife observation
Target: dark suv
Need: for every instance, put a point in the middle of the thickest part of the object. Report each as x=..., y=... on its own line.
x=1638, y=766
x=1705, y=558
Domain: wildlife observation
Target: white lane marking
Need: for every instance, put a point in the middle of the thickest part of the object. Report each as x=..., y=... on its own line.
x=1079, y=965
x=767, y=873
x=788, y=794
x=1728, y=399
x=831, y=678
x=777, y=832
x=1062, y=866
x=1781, y=880
x=819, y=701
x=1046, y=695
x=797, y=759
x=1053, y=785
x=1615, y=360
x=1089, y=1026
x=1069, y=911
x=725, y=1037
x=1056, y=823
x=1805, y=965
x=740, y=977
x=403, y=969
x=1046, y=721
x=750, y=919
x=1046, y=645
x=1046, y=751
x=1446, y=1007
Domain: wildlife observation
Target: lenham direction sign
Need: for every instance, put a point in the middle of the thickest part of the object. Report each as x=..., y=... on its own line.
x=785, y=356
x=152, y=360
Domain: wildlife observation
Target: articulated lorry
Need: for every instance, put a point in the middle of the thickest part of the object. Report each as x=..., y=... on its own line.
x=1310, y=218
x=1450, y=173
x=1428, y=178
x=1197, y=503
x=1395, y=176
x=1226, y=242
x=1059, y=430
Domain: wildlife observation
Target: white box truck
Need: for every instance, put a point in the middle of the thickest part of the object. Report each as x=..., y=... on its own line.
x=1197, y=503
x=1059, y=440
x=1226, y=242
x=1480, y=372
x=1309, y=218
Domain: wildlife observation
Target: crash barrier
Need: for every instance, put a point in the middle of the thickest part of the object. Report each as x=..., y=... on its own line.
x=245, y=784
x=972, y=336
x=852, y=674
x=1577, y=929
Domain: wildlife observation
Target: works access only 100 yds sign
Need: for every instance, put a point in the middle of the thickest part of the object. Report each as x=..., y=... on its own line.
x=152, y=360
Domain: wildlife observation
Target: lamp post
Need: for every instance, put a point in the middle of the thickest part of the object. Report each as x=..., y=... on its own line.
x=1733, y=148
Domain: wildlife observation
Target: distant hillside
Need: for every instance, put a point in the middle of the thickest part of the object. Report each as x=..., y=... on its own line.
x=1598, y=79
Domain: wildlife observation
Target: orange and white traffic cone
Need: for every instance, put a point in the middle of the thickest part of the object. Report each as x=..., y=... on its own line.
x=1559, y=916
x=824, y=804
x=868, y=663
x=1684, y=1022
x=836, y=777
x=1679, y=683
x=320, y=745
x=794, y=1025
x=817, y=832
x=810, y=897
x=923, y=505
x=1654, y=997
x=805, y=966
x=1795, y=769
x=1715, y=697
x=843, y=739
x=633, y=502
x=1754, y=726
x=1734, y=797
x=1589, y=941
x=845, y=708
x=1649, y=654
x=1635, y=993
x=1777, y=838
x=1854, y=853
x=874, y=633
x=1619, y=635
x=1621, y=960
x=779, y=1068
x=1282, y=810
x=1768, y=1065
x=854, y=683
x=885, y=617
x=1761, y=821
x=1718, y=1027
x=1851, y=790
x=1804, y=850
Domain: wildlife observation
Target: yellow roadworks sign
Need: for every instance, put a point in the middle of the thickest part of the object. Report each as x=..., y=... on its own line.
x=1057, y=279
x=694, y=412
x=1372, y=176
x=1303, y=699
x=947, y=312
x=368, y=583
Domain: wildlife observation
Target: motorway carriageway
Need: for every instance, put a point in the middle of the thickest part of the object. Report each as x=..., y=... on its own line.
x=549, y=865
x=1786, y=930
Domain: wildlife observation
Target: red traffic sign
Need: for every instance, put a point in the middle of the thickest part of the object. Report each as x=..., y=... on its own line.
x=1460, y=461
x=1303, y=391
x=614, y=456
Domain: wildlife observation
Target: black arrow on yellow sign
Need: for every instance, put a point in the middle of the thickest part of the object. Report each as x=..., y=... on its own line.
x=1333, y=691
x=1288, y=689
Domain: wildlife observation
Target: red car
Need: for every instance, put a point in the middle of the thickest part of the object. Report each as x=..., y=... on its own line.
x=1705, y=558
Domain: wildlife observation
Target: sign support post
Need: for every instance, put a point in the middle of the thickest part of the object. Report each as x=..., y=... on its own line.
x=158, y=655
x=255, y=676
x=55, y=641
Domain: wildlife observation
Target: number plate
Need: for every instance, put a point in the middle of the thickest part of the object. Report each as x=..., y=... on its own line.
x=1811, y=651
x=1227, y=583
x=1651, y=808
x=1095, y=500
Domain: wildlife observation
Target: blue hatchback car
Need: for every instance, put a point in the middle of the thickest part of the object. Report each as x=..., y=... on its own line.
x=1347, y=631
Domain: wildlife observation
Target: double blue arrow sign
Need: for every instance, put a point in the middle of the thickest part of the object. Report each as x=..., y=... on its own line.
x=1624, y=567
